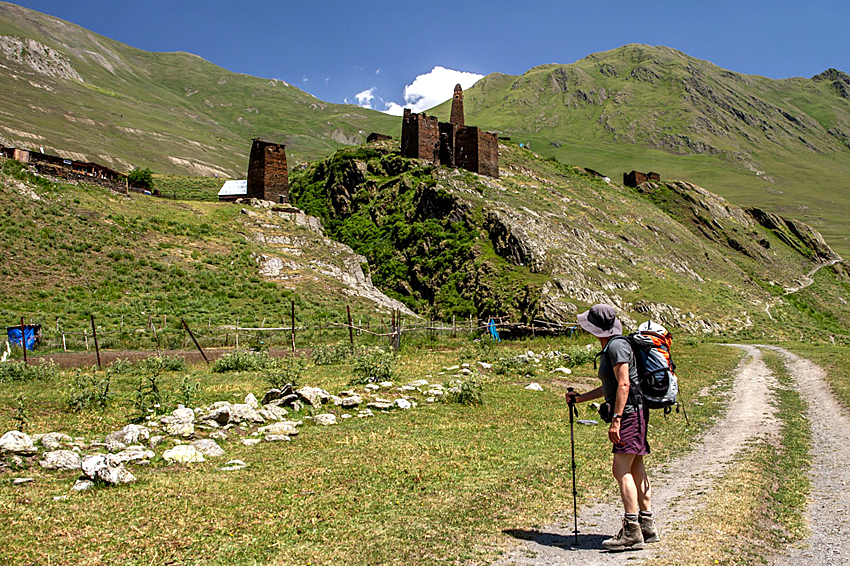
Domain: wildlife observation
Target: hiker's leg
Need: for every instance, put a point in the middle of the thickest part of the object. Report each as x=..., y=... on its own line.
x=623, y=474
x=644, y=490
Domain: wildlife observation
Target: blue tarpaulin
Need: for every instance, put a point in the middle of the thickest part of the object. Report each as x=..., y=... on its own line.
x=14, y=335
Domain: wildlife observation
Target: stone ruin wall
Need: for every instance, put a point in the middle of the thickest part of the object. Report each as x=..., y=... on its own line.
x=635, y=178
x=268, y=175
x=477, y=151
x=420, y=136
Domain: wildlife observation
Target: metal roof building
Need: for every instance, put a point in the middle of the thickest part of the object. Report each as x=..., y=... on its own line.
x=232, y=190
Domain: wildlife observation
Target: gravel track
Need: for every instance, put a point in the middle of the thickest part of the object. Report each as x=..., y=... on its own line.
x=829, y=503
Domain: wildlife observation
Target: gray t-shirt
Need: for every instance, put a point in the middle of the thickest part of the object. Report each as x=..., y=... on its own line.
x=617, y=351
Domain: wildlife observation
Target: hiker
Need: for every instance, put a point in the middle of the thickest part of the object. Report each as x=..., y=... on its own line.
x=629, y=418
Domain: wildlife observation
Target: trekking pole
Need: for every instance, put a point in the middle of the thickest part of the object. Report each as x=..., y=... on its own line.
x=571, y=406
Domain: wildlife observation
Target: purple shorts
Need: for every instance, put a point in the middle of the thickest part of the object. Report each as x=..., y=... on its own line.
x=633, y=434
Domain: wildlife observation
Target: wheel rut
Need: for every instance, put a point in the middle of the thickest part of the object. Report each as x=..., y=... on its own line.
x=829, y=503
x=676, y=489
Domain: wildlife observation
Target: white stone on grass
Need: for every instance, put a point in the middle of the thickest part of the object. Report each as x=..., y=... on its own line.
x=106, y=468
x=534, y=387
x=277, y=438
x=313, y=395
x=135, y=453
x=17, y=442
x=250, y=441
x=371, y=387
x=485, y=365
x=565, y=371
x=208, y=447
x=82, y=485
x=20, y=481
x=403, y=404
x=181, y=422
x=183, y=454
x=325, y=419
x=251, y=401
x=419, y=383
x=287, y=428
x=351, y=401
x=233, y=465
x=53, y=440
x=61, y=460
x=129, y=435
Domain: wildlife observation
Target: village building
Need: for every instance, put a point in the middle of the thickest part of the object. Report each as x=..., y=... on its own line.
x=635, y=178
x=232, y=190
x=452, y=143
x=268, y=175
x=375, y=137
x=68, y=169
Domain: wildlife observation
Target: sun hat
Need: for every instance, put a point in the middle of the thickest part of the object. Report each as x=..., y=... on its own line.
x=601, y=321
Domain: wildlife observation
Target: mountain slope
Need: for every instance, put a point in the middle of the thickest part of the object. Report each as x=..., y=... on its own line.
x=783, y=144
x=86, y=96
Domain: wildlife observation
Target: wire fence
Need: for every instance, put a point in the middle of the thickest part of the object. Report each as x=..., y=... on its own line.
x=164, y=332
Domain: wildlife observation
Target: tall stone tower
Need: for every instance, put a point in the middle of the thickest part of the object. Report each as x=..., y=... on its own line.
x=268, y=176
x=457, y=107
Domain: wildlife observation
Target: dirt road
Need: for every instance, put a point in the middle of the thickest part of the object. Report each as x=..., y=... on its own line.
x=677, y=493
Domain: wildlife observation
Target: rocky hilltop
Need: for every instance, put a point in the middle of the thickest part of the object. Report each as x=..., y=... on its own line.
x=546, y=240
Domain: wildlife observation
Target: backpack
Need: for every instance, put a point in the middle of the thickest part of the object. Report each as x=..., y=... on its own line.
x=657, y=386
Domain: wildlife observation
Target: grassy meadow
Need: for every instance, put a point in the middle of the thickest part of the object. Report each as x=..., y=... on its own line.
x=433, y=485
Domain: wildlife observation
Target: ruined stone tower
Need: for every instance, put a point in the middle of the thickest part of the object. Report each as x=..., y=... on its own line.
x=457, y=107
x=268, y=176
x=420, y=136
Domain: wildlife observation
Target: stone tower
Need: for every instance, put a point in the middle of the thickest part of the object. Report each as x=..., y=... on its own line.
x=457, y=107
x=268, y=176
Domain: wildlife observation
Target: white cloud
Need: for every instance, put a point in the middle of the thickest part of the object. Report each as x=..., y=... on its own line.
x=304, y=79
x=365, y=98
x=377, y=71
x=430, y=89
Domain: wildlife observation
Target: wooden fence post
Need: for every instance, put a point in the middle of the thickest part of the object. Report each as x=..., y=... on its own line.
x=94, y=335
x=292, y=319
x=86, y=337
x=24, y=341
x=350, y=329
x=198, y=346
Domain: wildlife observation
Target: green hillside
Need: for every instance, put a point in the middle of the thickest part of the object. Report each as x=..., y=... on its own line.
x=538, y=244
x=781, y=144
x=85, y=96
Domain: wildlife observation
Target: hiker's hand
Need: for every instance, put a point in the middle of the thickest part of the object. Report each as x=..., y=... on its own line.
x=572, y=397
x=614, y=432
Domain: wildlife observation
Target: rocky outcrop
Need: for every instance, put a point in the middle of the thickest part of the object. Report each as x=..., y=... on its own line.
x=38, y=57
x=796, y=234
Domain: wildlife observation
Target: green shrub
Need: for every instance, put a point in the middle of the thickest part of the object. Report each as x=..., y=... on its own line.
x=19, y=371
x=580, y=355
x=330, y=354
x=141, y=178
x=149, y=399
x=373, y=366
x=88, y=390
x=188, y=394
x=120, y=367
x=467, y=392
x=286, y=370
x=241, y=360
x=21, y=418
x=510, y=365
x=162, y=363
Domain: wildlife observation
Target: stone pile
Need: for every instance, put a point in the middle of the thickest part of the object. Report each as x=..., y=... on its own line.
x=190, y=436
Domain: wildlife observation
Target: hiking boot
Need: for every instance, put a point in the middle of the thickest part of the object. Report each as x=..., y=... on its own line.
x=629, y=538
x=648, y=530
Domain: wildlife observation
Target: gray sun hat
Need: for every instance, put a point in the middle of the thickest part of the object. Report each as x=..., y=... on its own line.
x=601, y=321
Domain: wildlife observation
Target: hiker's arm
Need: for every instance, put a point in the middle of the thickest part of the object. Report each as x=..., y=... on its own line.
x=621, y=371
x=589, y=396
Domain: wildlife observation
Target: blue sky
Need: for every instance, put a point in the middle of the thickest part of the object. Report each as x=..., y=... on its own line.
x=337, y=50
